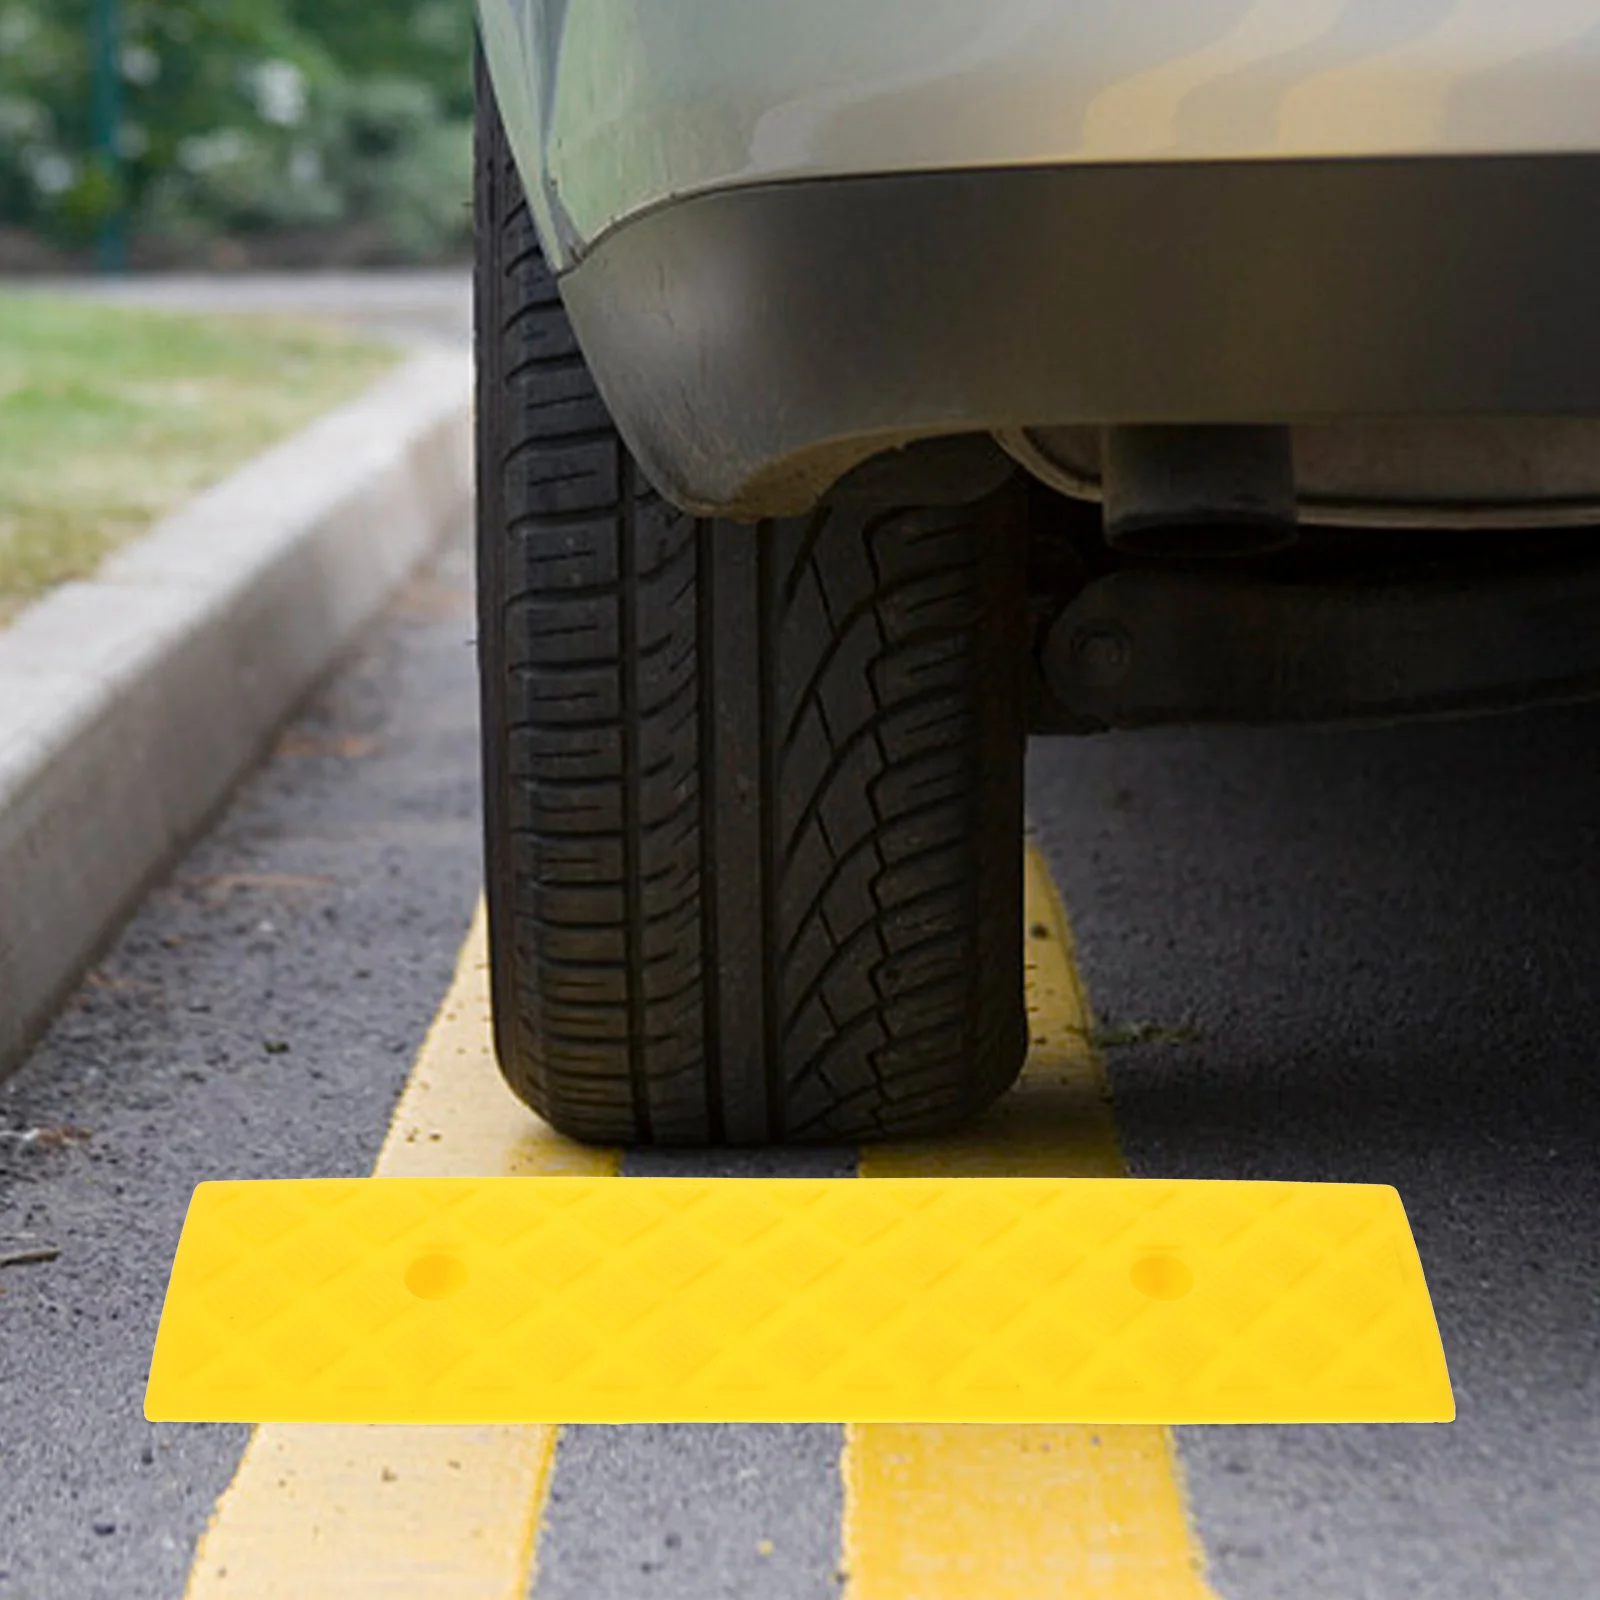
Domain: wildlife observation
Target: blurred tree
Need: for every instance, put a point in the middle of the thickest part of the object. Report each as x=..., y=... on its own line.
x=245, y=118
x=428, y=41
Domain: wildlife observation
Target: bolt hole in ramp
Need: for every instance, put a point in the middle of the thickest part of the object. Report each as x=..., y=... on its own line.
x=589, y=1299
x=435, y=1277
x=1162, y=1277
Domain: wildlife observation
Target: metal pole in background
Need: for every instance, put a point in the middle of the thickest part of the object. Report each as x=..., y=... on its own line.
x=105, y=39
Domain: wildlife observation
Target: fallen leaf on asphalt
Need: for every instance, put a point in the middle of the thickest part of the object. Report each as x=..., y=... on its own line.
x=29, y=1256
x=426, y=599
x=102, y=980
x=57, y=1138
x=298, y=744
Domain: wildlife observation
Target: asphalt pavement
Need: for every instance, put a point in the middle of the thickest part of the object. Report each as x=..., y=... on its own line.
x=1322, y=955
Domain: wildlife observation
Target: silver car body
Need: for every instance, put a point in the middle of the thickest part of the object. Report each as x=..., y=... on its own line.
x=618, y=105
x=618, y=109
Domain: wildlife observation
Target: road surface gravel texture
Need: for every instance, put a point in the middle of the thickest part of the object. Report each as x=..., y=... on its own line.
x=1314, y=955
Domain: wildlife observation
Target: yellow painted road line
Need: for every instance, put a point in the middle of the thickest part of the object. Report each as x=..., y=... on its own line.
x=1013, y=1512
x=430, y=1513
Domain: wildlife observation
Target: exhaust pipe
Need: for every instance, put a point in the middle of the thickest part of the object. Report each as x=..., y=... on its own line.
x=1198, y=490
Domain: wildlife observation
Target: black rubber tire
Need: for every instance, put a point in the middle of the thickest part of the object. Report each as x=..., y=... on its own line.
x=753, y=796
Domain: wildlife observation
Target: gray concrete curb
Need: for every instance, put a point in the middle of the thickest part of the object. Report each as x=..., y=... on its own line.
x=131, y=704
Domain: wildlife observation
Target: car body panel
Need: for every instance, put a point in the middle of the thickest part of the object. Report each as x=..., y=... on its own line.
x=791, y=236
x=615, y=106
x=755, y=342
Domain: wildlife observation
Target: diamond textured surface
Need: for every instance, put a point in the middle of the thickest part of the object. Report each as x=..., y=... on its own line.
x=600, y=1299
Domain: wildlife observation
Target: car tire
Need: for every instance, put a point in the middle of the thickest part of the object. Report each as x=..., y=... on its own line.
x=753, y=795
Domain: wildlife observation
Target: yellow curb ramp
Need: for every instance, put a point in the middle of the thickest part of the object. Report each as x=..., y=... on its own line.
x=506, y=1300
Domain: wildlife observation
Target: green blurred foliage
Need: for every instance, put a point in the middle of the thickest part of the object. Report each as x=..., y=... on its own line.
x=428, y=41
x=245, y=117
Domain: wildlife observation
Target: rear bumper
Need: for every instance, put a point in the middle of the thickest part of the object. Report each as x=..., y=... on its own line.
x=755, y=343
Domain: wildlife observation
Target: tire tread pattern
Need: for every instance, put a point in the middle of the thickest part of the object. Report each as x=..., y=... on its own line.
x=889, y=744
